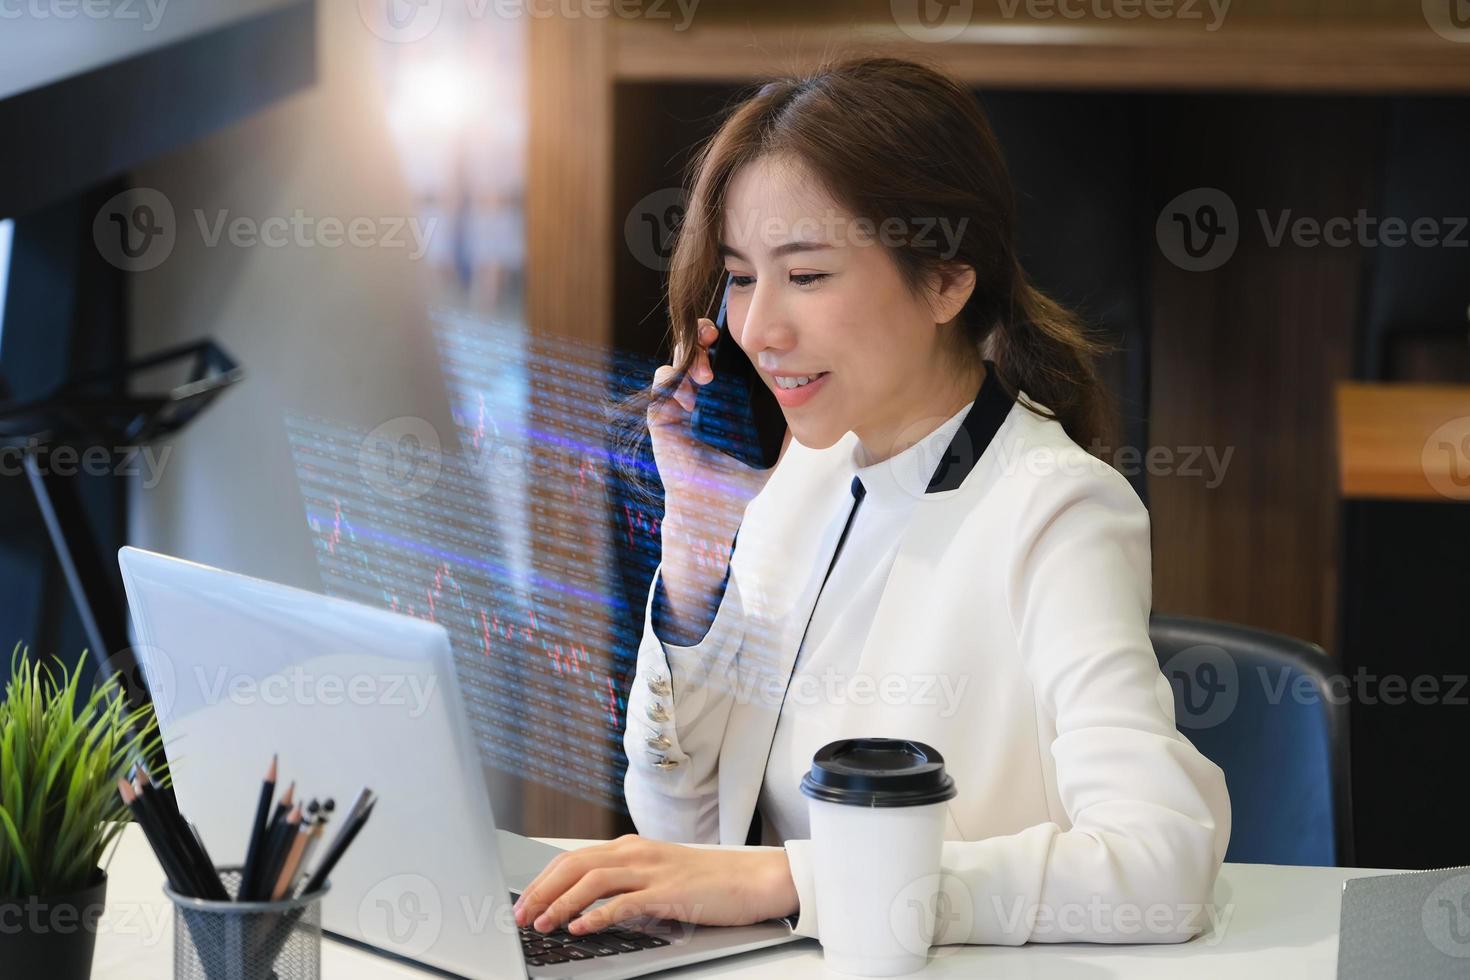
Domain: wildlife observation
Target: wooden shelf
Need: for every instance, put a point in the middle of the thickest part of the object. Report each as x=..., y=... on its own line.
x=1403, y=441
x=1371, y=57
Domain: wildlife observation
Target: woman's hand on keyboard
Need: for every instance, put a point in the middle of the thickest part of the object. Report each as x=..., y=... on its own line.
x=643, y=877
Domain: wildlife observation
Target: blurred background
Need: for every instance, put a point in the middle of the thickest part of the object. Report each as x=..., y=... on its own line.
x=337, y=294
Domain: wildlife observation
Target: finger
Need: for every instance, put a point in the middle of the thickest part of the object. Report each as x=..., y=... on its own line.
x=537, y=885
x=703, y=371
x=621, y=909
x=705, y=334
x=661, y=377
x=595, y=884
x=569, y=866
x=559, y=875
x=683, y=395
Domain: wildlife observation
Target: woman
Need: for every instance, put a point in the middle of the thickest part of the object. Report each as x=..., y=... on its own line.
x=933, y=557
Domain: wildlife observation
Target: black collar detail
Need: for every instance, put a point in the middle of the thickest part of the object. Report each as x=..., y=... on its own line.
x=981, y=423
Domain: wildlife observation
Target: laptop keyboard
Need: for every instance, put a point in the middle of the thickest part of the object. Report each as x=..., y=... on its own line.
x=560, y=946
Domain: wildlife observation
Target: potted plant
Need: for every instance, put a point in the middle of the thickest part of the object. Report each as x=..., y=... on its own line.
x=60, y=758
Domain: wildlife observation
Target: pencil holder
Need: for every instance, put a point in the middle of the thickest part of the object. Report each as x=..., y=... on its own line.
x=247, y=940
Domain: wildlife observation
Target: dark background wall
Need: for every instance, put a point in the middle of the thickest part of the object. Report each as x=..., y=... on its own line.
x=63, y=316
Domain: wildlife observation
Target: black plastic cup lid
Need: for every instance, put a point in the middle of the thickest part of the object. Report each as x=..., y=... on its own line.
x=878, y=772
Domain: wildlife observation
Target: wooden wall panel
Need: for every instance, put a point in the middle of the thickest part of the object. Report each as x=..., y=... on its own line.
x=568, y=295
x=839, y=11
x=569, y=179
x=1245, y=358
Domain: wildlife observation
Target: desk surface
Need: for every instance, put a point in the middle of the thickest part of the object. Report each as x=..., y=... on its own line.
x=1273, y=921
x=1404, y=441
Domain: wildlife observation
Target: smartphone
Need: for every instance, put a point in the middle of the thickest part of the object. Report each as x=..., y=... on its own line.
x=736, y=413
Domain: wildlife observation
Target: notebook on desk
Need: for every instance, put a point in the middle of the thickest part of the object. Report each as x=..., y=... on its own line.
x=1406, y=925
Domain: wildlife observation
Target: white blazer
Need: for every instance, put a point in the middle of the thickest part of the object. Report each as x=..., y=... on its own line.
x=1082, y=814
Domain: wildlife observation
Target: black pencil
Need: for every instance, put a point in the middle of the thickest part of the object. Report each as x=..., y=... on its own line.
x=194, y=857
x=177, y=880
x=267, y=859
x=258, y=830
x=257, y=872
x=280, y=849
x=171, y=826
x=291, y=866
x=223, y=894
x=189, y=876
x=350, y=829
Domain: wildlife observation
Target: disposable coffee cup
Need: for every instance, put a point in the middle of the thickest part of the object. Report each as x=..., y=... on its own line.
x=876, y=807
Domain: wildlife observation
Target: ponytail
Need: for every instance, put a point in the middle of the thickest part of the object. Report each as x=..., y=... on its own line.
x=1042, y=349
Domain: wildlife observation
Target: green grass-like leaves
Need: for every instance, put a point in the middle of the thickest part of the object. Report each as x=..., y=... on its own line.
x=59, y=764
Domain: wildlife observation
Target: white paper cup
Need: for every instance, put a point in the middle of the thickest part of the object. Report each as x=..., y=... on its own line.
x=876, y=808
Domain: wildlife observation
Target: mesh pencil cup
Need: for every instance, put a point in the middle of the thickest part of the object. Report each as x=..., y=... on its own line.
x=247, y=940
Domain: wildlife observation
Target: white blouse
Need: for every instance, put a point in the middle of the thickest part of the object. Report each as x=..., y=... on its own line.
x=822, y=680
x=1007, y=626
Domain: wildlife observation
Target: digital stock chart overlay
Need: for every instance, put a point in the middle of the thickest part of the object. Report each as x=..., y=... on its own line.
x=512, y=532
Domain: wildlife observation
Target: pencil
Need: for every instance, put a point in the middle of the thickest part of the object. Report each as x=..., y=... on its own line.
x=293, y=861
x=350, y=829
x=184, y=842
x=258, y=873
x=281, y=843
x=176, y=878
x=258, y=828
x=223, y=895
x=283, y=807
x=339, y=842
x=165, y=839
x=318, y=830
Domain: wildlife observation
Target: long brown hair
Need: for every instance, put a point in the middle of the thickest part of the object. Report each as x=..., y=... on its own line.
x=891, y=138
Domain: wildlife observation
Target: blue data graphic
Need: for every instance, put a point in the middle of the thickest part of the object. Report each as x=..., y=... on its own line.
x=513, y=532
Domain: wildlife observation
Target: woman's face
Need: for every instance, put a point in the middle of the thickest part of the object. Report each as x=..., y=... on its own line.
x=813, y=293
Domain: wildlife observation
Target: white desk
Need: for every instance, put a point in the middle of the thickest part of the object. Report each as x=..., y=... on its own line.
x=1282, y=922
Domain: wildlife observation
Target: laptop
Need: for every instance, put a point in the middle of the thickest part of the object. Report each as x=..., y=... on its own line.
x=353, y=696
x=1405, y=925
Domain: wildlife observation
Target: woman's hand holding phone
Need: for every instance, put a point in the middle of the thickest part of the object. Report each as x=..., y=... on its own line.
x=705, y=490
x=699, y=481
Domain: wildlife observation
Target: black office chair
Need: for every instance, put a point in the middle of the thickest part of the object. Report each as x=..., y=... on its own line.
x=1259, y=705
